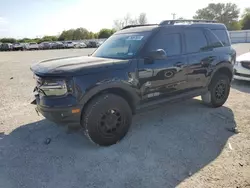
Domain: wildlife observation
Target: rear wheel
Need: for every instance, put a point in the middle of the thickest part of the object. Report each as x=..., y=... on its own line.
x=107, y=119
x=219, y=90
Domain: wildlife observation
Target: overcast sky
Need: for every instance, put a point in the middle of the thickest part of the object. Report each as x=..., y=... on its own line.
x=36, y=18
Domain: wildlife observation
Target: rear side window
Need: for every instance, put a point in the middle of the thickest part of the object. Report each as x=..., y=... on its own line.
x=171, y=43
x=195, y=40
x=223, y=36
x=213, y=40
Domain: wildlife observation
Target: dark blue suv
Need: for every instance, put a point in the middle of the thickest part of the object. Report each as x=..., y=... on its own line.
x=138, y=66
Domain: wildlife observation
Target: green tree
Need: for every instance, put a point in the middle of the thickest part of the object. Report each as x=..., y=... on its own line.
x=91, y=35
x=105, y=33
x=66, y=35
x=74, y=34
x=8, y=40
x=246, y=12
x=80, y=33
x=37, y=40
x=48, y=38
x=96, y=35
x=25, y=40
x=245, y=22
x=235, y=25
x=224, y=13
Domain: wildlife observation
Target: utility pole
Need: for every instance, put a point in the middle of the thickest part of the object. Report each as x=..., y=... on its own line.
x=173, y=14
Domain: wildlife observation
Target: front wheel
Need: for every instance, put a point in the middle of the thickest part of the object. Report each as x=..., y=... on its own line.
x=219, y=90
x=106, y=119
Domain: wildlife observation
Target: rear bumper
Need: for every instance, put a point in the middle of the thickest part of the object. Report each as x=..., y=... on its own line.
x=66, y=116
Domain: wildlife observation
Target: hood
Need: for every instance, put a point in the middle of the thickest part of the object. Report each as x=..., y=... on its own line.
x=244, y=57
x=79, y=65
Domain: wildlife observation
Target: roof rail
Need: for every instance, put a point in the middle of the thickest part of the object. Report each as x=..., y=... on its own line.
x=130, y=26
x=171, y=22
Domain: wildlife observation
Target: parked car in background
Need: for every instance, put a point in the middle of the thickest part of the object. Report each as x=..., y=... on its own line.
x=57, y=45
x=80, y=45
x=6, y=47
x=69, y=44
x=92, y=44
x=64, y=44
x=32, y=46
x=99, y=43
x=44, y=45
x=26, y=46
x=18, y=46
x=242, y=67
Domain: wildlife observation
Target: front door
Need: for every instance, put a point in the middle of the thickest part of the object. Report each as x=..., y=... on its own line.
x=159, y=77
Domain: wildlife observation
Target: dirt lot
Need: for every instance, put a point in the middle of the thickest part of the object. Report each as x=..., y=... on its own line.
x=178, y=145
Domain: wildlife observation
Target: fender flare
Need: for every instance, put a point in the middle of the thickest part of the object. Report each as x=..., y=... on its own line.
x=126, y=88
x=222, y=66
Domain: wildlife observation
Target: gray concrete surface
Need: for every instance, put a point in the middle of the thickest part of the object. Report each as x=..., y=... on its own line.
x=177, y=145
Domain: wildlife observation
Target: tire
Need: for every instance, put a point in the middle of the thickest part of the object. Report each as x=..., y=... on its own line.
x=106, y=119
x=219, y=90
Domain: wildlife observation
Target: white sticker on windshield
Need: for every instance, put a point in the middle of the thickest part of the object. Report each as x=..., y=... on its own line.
x=130, y=53
x=135, y=37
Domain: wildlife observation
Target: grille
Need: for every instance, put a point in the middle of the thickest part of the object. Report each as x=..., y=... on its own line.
x=245, y=64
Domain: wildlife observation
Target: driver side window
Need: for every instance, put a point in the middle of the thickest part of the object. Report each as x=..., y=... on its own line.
x=171, y=43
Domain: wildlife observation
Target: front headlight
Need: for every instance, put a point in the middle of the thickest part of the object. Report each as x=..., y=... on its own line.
x=53, y=87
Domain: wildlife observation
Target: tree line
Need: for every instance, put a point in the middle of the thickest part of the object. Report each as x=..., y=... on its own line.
x=72, y=34
x=227, y=13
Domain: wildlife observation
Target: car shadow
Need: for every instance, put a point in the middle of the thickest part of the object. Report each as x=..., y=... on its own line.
x=164, y=146
x=241, y=85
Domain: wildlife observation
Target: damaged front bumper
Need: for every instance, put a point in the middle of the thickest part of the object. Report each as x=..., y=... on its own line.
x=68, y=116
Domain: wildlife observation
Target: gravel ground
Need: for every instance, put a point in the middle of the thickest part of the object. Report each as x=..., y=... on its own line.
x=177, y=145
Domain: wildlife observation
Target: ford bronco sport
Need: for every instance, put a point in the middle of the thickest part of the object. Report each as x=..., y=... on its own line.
x=138, y=66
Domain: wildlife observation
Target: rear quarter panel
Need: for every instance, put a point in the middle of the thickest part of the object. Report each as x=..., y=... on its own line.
x=226, y=59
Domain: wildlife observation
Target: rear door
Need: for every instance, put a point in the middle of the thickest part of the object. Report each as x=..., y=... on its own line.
x=200, y=57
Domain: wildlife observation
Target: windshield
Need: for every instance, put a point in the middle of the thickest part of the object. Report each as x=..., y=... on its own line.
x=121, y=46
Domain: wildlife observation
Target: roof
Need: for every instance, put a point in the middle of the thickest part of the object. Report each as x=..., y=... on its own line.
x=173, y=23
x=200, y=25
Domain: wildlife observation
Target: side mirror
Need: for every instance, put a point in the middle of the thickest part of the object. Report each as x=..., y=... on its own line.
x=158, y=54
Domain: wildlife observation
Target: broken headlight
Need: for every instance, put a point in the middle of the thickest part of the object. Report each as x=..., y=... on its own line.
x=53, y=87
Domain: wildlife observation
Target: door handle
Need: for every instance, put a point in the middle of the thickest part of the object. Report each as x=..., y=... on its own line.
x=179, y=64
